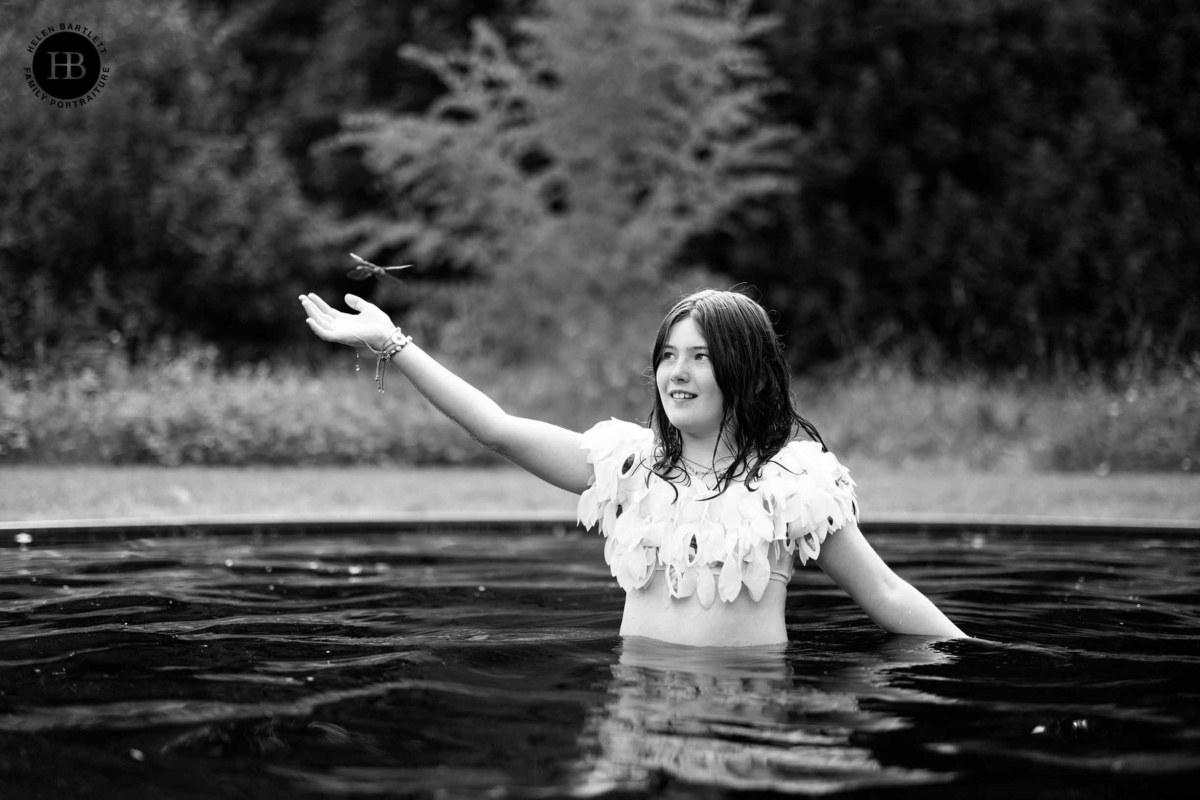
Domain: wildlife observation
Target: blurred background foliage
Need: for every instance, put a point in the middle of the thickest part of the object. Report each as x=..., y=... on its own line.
x=980, y=193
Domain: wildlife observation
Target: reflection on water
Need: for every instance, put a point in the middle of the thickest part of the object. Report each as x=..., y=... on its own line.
x=478, y=664
x=743, y=719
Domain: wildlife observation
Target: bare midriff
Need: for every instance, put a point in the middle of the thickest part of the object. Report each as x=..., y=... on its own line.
x=650, y=612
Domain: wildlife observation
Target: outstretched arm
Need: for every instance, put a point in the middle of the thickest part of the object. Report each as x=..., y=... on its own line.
x=551, y=453
x=889, y=600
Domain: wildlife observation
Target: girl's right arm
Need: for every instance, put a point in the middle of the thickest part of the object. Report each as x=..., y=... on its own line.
x=550, y=452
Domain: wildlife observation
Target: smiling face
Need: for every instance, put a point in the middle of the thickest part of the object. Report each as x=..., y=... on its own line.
x=687, y=385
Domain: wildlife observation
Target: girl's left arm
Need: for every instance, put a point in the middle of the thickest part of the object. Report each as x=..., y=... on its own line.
x=889, y=600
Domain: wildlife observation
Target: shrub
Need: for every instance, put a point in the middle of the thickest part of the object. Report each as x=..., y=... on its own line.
x=185, y=410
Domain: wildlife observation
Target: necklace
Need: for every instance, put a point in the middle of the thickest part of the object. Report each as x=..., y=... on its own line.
x=693, y=468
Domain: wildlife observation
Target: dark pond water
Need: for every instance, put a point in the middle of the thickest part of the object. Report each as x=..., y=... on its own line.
x=488, y=665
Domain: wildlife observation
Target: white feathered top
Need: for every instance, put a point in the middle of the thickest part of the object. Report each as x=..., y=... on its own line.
x=709, y=546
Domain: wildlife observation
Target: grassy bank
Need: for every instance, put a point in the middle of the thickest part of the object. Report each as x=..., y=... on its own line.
x=49, y=493
x=1135, y=424
x=187, y=412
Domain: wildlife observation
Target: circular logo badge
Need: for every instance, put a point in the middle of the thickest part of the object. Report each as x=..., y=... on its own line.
x=66, y=65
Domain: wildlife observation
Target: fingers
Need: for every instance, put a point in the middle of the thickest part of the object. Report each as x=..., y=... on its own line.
x=353, y=301
x=309, y=306
x=321, y=305
x=369, y=324
x=317, y=329
x=320, y=321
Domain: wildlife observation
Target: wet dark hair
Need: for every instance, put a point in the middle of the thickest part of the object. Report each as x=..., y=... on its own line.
x=760, y=415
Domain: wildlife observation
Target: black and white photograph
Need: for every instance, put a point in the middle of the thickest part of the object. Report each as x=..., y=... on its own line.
x=599, y=399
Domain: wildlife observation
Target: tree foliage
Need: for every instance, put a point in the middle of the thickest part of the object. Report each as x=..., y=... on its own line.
x=565, y=166
x=999, y=183
x=146, y=214
x=995, y=182
x=177, y=206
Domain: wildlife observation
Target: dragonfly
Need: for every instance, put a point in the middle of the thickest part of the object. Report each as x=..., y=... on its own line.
x=366, y=269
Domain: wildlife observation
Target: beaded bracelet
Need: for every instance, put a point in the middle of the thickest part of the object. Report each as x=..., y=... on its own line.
x=395, y=343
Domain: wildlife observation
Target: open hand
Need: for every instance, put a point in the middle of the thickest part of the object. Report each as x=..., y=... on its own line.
x=370, y=327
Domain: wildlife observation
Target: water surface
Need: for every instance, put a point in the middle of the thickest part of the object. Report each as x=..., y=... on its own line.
x=485, y=664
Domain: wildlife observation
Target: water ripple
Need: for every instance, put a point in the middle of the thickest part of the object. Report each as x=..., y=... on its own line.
x=413, y=664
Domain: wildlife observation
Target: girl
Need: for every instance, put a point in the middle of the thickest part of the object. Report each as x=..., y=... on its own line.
x=703, y=511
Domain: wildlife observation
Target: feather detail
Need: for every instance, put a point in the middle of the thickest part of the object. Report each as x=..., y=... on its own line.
x=729, y=586
x=803, y=495
x=634, y=568
x=706, y=587
x=756, y=574
x=814, y=496
x=681, y=582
